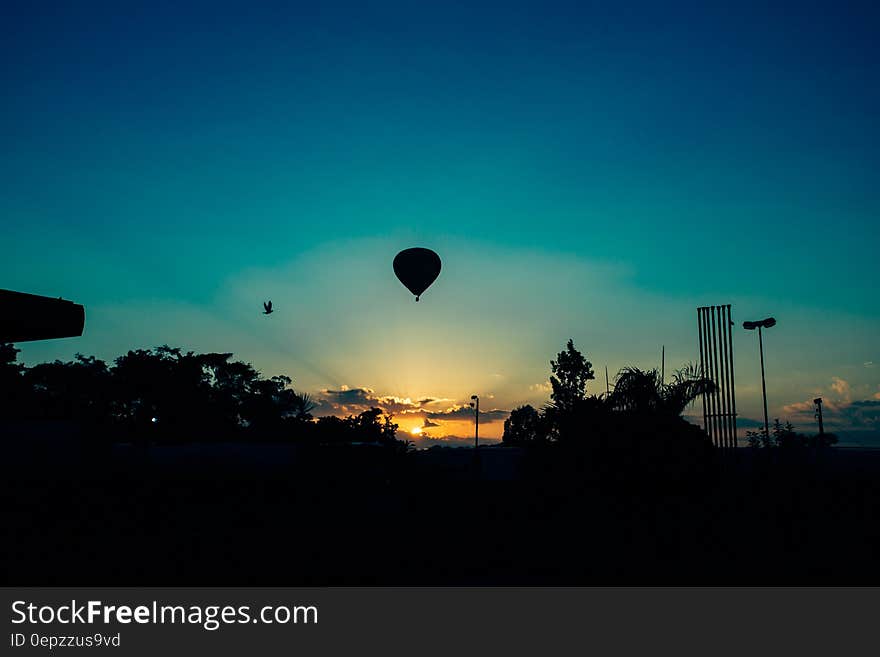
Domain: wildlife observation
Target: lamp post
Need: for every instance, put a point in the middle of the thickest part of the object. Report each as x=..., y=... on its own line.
x=475, y=404
x=820, y=439
x=751, y=326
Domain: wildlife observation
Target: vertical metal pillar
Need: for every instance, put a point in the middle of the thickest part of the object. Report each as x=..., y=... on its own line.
x=477, y=425
x=713, y=360
x=763, y=382
x=724, y=328
x=716, y=362
x=722, y=376
x=731, y=388
x=663, y=365
x=702, y=366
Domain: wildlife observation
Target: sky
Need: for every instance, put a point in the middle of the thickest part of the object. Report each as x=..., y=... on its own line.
x=585, y=170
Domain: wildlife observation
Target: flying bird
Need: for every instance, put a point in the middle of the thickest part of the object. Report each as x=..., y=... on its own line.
x=267, y=308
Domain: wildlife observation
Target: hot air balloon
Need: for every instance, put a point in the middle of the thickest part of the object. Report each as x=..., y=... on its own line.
x=417, y=268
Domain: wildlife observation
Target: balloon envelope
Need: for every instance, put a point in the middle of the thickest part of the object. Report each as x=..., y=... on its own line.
x=417, y=268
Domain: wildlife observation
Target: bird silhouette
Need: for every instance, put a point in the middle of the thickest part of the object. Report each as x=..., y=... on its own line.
x=267, y=308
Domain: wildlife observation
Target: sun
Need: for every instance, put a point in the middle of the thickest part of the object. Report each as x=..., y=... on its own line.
x=415, y=431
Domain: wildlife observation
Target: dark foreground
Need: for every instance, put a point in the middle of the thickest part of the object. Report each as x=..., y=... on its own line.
x=354, y=516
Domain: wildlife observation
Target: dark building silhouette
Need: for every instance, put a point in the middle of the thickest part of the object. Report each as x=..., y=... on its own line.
x=26, y=317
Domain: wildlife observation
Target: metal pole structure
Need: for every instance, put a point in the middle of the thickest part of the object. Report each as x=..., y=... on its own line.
x=818, y=402
x=724, y=323
x=607, y=386
x=732, y=384
x=769, y=322
x=728, y=373
x=722, y=405
x=477, y=425
x=476, y=421
x=714, y=362
x=763, y=382
x=722, y=377
x=702, y=364
x=663, y=365
x=707, y=371
x=719, y=406
x=720, y=351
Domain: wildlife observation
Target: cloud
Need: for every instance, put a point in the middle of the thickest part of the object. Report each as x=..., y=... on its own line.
x=838, y=414
x=434, y=400
x=345, y=401
x=351, y=401
x=748, y=423
x=427, y=424
x=457, y=412
x=841, y=387
x=398, y=405
x=865, y=413
x=346, y=395
x=839, y=411
x=544, y=387
x=868, y=363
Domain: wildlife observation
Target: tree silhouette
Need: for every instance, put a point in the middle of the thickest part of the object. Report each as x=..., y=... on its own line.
x=171, y=386
x=369, y=427
x=637, y=429
x=758, y=439
x=164, y=394
x=303, y=407
x=643, y=391
x=785, y=437
x=167, y=394
x=524, y=426
x=8, y=358
x=77, y=390
x=11, y=385
x=566, y=413
x=571, y=371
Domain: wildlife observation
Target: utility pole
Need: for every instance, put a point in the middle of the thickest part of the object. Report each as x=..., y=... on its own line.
x=763, y=383
x=818, y=402
x=820, y=438
x=751, y=326
x=663, y=365
x=476, y=405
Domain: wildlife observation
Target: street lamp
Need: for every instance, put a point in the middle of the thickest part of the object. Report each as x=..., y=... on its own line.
x=475, y=404
x=751, y=326
x=818, y=415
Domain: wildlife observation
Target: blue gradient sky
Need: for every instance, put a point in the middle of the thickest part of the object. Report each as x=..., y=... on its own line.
x=584, y=171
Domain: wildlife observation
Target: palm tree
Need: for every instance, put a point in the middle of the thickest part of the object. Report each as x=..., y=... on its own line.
x=303, y=406
x=643, y=391
x=687, y=384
